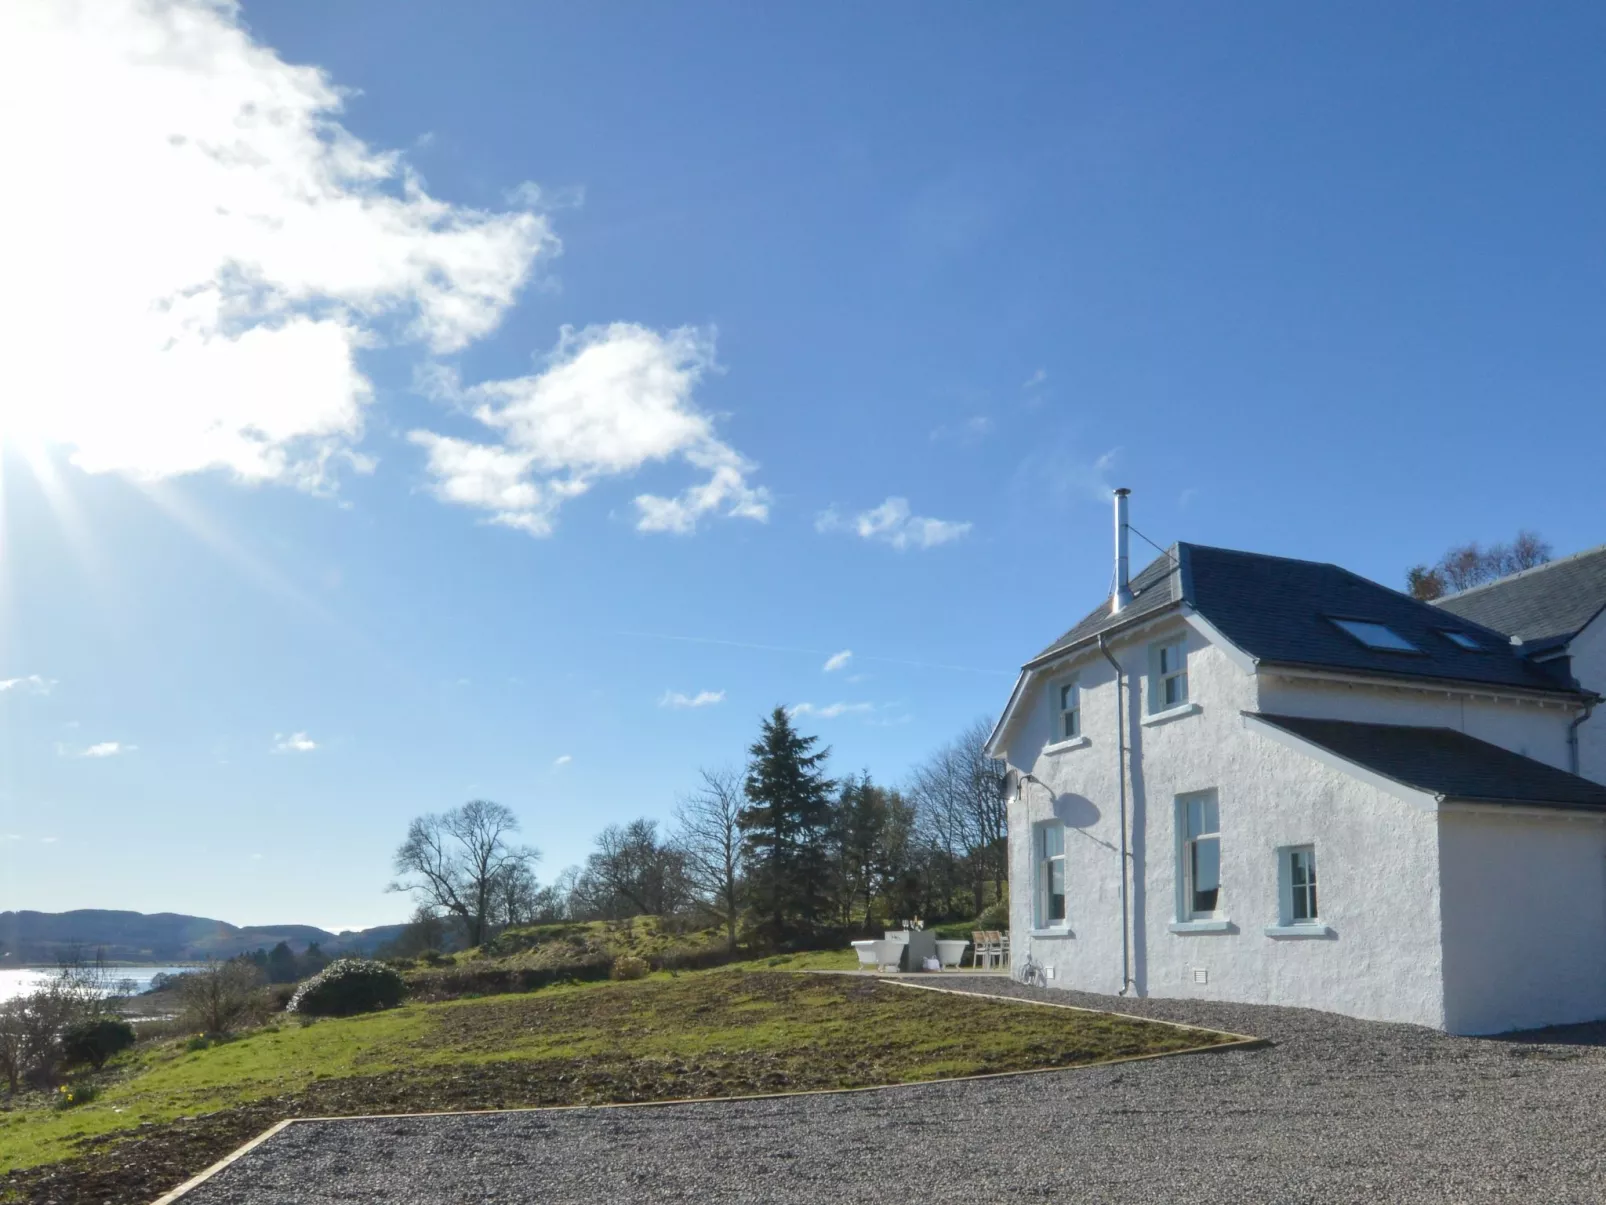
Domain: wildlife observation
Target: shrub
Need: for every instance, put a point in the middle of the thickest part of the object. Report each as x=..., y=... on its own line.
x=95, y=1041
x=628, y=966
x=347, y=986
x=222, y=996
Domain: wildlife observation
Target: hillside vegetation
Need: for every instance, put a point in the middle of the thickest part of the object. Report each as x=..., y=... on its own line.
x=170, y=1109
x=531, y=956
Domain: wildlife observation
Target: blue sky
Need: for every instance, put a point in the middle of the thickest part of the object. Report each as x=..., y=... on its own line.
x=316, y=519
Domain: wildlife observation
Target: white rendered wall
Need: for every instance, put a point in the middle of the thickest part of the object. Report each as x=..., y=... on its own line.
x=1377, y=855
x=1588, y=650
x=1524, y=901
x=1531, y=729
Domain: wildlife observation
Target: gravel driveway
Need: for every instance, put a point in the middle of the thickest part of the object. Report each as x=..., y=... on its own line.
x=1336, y=1110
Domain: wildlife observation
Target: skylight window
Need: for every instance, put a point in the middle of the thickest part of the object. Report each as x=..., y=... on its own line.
x=1462, y=641
x=1377, y=636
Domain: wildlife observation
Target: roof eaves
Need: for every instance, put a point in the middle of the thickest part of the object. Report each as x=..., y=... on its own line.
x=1478, y=684
x=1549, y=805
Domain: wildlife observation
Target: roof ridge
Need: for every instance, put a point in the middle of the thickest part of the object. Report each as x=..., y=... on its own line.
x=1528, y=572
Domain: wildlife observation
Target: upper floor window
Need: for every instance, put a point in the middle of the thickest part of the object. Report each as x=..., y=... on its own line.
x=1296, y=876
x=1200, y=872
x=1376, y=635
x=1168, y=676
x=1067, y=711
x=1050, y=849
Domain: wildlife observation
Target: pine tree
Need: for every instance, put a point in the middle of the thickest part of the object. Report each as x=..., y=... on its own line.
x=786, y=830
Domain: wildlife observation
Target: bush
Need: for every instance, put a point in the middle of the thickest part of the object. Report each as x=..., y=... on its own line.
x=628, y=966
x=222, y=996
x=347, y=986
x=95, y=1041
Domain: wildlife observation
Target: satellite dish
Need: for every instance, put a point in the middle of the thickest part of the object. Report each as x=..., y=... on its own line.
x=1009, y=785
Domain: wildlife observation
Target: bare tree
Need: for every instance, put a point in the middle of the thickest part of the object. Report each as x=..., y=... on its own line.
x=1469, y=565
x=957, y=791
x=31, y=1026
x=221, y=996
x=709, y=838
x=455, y=862
x=632, y=873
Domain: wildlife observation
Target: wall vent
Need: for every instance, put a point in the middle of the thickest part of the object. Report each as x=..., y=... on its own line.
x=1201, y=975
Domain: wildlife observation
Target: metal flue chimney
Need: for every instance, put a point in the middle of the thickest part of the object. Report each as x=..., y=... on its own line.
x=1123, y=591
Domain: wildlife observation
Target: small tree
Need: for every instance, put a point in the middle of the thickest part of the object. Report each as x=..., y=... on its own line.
x=32, y=1026
x=221, y=996
x=708, y=834
x=454, y=862
x=786, y=829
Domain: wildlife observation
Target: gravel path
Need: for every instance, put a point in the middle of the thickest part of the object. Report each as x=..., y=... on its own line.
x=1335, y=1111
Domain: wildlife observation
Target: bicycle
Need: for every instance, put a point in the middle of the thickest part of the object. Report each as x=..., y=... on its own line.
x=1031, y=973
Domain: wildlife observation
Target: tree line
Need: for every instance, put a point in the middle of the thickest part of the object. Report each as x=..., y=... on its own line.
x=777, y=852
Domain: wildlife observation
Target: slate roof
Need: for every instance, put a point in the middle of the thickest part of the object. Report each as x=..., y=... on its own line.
x=1280, y=611
x=1547, y=604
x=1153, y=588
x=1446, y=763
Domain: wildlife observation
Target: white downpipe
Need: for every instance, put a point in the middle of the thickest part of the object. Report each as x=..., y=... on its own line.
x=1120, y=770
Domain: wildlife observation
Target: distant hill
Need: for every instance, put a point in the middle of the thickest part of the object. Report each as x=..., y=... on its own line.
x=46, y=937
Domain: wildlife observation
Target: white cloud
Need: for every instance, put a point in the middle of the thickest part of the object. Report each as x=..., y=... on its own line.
x=32, y=684
x=703, y=698
x=197, y=250
x=891, y=523
x=836, y=661
x=296, y=742
x=1037, y=378
x=830, y=711
x=562, y=761
x=608, y=401
x=108, y=749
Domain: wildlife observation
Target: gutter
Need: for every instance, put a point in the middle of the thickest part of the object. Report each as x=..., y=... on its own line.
x=1120, y=773
x=1572, y=736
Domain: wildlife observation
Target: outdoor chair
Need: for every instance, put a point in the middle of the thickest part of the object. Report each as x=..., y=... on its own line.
x=983, y=952
x=1003, y=947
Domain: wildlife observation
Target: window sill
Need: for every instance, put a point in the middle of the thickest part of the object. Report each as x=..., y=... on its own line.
x=1313, y=930
x=1174, y=713
x=1202, y=926
x=1042, y=933
x=1076, y=742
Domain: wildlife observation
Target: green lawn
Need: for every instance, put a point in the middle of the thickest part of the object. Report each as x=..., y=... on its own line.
x=168, y=1112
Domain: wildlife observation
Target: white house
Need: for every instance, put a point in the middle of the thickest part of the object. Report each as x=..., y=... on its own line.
x=1249, y=778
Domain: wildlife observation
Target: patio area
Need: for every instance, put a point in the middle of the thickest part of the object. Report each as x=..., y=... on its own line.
x=921, y=951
